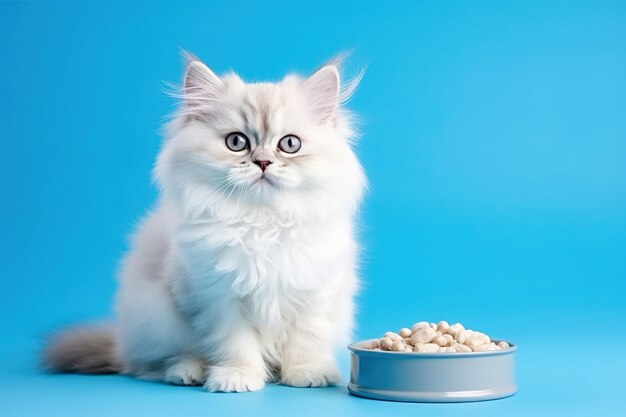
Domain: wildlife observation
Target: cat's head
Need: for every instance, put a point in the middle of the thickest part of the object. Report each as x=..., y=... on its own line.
x=284, y=145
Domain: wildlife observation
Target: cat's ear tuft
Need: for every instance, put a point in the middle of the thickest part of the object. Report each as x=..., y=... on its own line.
x=200, y=85
x=323, y=92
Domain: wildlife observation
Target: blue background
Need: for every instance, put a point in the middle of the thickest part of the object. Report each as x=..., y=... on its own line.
x=494, y=141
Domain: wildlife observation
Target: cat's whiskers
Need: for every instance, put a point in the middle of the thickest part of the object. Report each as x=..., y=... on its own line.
x=223, y=186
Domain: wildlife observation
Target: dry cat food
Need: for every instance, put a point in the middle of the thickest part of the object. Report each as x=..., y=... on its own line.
x=436, y=337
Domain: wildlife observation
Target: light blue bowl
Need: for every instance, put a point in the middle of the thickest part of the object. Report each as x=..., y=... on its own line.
x=431, y=377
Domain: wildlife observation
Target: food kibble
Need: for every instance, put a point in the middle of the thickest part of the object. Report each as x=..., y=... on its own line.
x=405, y=333
x=428, y=337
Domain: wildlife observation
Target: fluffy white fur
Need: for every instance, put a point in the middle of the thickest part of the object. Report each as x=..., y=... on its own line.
x=234, y=280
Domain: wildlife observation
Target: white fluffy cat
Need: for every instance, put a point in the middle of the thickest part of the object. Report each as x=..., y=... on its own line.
x=245, y=271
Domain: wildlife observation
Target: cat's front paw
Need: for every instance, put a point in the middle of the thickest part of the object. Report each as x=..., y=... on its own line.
x=233, y=379
x=185, y=371
x=313, y=374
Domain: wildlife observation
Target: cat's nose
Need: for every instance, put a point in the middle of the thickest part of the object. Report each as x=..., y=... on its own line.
x=263, y=164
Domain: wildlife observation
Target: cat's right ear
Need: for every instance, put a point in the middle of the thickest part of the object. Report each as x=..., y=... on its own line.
x=201, y=85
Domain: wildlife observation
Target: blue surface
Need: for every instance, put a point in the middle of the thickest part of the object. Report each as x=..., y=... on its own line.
x=494, y=140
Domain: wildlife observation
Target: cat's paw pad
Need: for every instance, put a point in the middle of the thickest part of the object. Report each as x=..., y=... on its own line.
x=233, y=379
x=186, y=371
x=311, y=375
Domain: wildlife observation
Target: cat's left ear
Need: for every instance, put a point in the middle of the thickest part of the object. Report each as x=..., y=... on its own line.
x=201, y=85
x=323, y=92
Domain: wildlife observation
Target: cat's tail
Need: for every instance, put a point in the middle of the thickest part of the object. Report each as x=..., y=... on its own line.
x=87, y=349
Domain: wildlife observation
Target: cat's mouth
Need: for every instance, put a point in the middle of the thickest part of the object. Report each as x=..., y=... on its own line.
x=263, y=180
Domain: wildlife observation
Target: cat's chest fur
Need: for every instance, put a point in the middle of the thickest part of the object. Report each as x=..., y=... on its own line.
x=270, y=266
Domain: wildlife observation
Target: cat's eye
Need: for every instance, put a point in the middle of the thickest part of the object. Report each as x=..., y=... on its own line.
x=237, y=142
x=290, y=144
